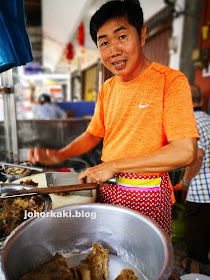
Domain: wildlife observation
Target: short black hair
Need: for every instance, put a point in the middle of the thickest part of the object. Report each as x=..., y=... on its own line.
x=130, y=9
x=44, y=97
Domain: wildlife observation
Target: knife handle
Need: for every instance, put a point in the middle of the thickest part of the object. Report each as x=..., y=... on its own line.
x=69, y=188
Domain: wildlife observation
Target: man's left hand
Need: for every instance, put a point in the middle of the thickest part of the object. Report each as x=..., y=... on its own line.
x=97, y=174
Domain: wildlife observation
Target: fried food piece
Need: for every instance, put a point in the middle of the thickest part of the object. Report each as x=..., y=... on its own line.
x=55, y=269
x=29, y=182
x=94, y=267
x=97, y=262
x=127, y=274
x=85, y=274
x=75, y=272
x=62, y=193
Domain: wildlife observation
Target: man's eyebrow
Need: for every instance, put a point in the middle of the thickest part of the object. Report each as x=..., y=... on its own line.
x=120, y=28
x=102, y=36
x=115, y=31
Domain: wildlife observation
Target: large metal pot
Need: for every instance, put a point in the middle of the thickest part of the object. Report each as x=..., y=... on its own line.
x=132, y=239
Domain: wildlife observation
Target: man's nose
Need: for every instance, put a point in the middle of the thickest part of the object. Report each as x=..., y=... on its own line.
x=115, y=50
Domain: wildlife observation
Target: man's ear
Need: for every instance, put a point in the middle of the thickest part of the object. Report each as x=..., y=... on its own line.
x=143, y=35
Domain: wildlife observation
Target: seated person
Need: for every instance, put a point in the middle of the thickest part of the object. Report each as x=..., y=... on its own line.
x=45, y=109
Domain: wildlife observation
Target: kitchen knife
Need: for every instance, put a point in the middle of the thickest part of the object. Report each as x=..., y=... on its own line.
x=54, y=179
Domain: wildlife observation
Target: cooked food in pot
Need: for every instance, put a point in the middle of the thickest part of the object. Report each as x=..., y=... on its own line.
x=55, y=268
x=11, y=170
x=127, y=274
x=94, y=267
x=96, y=263
x=12, y=212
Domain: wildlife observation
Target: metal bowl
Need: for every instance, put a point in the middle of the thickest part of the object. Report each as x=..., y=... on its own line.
x=14, y=177
x=133, y=240
x=9, y=188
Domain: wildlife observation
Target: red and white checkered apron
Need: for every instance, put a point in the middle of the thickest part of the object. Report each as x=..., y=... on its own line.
x=154, y=202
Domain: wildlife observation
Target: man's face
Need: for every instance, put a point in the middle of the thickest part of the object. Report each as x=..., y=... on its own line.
x=121, y=48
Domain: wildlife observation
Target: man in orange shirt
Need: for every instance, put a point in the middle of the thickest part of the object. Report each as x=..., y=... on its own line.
x=144, y=115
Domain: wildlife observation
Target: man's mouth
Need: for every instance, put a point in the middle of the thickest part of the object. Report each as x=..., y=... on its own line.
x=119, y=63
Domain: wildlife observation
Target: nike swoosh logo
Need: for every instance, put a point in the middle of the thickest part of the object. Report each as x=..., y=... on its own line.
x=143, y=106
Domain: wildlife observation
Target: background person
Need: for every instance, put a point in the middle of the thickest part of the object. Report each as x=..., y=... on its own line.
x=45, y=109
x=196, y=181
x=143, y=114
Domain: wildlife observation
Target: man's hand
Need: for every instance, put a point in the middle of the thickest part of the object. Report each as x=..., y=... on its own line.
x=183, y=187
x=97, y=174
x=44, y=156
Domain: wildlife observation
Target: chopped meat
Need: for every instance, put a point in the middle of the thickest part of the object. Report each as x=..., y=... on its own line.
x=94, y=267
x=55, y=269
x=29, y=182
x=127, y=274
x=12, y=212
x=76, y=273
x=62, y=193
x=85, y=274
x=97, y=262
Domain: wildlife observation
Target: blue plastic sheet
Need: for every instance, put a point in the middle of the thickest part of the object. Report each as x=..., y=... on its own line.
x=15, y=47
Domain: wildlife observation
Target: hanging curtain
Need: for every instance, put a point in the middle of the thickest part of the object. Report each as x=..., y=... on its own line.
x=15, y=47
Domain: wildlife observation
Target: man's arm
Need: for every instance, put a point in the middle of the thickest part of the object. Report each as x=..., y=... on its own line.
x=192, y=170
x=82, y=144
x=176, y=154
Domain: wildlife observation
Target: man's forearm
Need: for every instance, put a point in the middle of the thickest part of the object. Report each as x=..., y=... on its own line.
x=172, y=156
x=82, y=144
x=191, y=171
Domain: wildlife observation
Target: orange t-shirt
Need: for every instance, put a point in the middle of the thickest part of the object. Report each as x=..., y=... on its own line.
x=140, y=116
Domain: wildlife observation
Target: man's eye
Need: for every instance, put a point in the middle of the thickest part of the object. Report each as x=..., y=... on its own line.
x=122, y=36
x=104, y=44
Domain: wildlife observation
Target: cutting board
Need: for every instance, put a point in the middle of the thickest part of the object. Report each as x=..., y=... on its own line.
x=58, y=200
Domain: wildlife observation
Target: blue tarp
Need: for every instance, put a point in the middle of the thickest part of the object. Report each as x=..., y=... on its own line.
x=80, y=108
x=15, y=47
